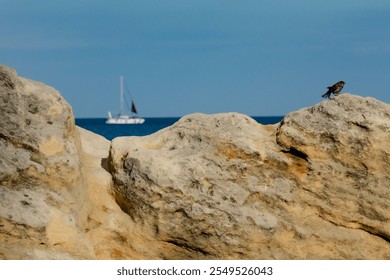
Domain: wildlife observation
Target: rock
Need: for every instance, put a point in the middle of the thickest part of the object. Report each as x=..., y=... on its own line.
x=315, y=186
x=112, y=233
x=56, y=198
x=43, y=196
x=345, y=143
x=182, y=184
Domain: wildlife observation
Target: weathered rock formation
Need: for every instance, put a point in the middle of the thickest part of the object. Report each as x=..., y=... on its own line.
x=315, y=186
x=43, y=201
x=223, y=186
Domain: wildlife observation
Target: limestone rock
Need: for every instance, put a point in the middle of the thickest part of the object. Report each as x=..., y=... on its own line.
x=223, y=186
x=315, y=186
x=56, y=198
x=43, y=196
x=111, y=231
x=345, y=145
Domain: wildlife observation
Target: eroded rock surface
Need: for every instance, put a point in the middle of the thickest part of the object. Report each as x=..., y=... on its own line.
x=345, y=142
x=43, y=200
x=315, y=186
x=223, y=186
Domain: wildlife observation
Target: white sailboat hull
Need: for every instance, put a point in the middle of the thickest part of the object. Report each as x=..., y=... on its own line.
x=125, y=120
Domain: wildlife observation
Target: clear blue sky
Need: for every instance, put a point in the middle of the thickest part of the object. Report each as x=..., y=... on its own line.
x=257, y=57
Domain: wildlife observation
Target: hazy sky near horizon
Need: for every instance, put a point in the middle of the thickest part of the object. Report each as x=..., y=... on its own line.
x=257, y=57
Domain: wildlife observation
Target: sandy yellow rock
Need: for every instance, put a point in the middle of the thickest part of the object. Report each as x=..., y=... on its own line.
x=51, y=146
x=315, y=186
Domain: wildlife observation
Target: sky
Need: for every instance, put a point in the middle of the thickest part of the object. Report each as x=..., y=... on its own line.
x=256, y=57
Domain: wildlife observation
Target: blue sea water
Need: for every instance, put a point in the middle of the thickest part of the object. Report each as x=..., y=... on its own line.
x=150, y=126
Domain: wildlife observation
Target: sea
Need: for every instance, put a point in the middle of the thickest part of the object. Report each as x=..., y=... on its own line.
x=150, y=126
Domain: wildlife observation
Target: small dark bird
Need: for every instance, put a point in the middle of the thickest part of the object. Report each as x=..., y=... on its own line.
x=335, y=89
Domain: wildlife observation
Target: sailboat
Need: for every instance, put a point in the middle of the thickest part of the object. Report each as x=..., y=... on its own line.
x=122, y=117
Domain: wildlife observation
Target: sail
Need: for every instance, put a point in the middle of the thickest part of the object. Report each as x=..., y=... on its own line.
x=133, y=109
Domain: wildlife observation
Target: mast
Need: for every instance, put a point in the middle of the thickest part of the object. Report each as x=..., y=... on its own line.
x=121, y=92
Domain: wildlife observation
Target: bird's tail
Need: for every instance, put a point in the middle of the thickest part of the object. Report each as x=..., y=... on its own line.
x=326, y=94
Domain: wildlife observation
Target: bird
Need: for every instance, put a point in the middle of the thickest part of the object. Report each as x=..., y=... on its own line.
x=335, y=89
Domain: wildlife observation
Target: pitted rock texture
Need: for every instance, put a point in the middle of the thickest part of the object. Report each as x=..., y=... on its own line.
x=315, y=186
x=43, y=196
x=346, y=144
x=223, y=186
